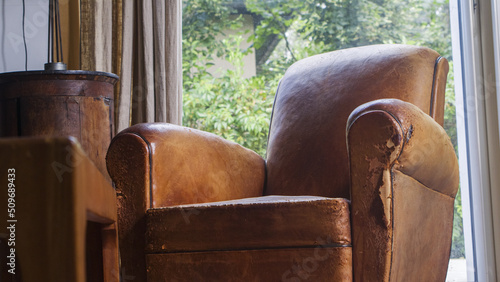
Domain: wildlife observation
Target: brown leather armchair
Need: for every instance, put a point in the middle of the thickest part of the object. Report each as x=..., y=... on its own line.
x=379, y=207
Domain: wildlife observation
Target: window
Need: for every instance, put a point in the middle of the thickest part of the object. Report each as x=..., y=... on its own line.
x=477, y=112
x=268, y=36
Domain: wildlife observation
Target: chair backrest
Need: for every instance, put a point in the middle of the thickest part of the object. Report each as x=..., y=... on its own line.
x=307, y=151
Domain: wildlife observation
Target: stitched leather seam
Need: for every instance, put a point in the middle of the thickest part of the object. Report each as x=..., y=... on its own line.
x=264, y=190
x=401, y=152
x=150, y=156
x=253, y=249
x=272, y=114
x=433, y=85
x=425, y=186
x=392, y=218
x=394, y=117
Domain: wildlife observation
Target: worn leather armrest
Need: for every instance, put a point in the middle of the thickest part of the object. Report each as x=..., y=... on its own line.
x=187, y=166
x=424, y=150
x=158, y=165
x=403, y=172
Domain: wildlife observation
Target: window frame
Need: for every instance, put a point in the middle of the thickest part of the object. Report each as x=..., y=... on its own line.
x=472, y=48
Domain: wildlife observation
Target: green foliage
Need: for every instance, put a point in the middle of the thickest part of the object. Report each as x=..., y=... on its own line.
x=311, y=27
x=203, y=24
x=235, y=108
x=239, y=108
x=458, y=244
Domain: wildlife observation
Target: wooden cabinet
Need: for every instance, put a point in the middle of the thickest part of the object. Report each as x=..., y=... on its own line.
x=63, y=213
x=60, y=103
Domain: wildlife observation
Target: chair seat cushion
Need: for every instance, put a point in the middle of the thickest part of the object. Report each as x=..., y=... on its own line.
x=288, y=264
x=268, y=222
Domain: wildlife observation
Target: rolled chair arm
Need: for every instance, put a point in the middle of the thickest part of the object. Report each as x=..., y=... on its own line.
x=187, y=166
x=157, y=165
x=404, y=178
x=425, y=151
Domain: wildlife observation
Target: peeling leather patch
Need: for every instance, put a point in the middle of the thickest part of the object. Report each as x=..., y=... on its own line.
x=396, y=139
x=377, y=206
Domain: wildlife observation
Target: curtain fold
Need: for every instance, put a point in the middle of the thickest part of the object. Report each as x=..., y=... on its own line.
x=146, y=54
x=173, y=46
x=156, y=92
x=143, y=102
x=96, y=28
x=123, y=99
x=159, y=67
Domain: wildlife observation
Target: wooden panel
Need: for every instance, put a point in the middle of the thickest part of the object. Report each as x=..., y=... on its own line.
x=52, y=178
x=71, y=103
x=101, y=212
x=50, y=116
x=86, y=118
x=8, y=117
x=71, y=83
x=96, y=117
x=93, y=242
x=102, y=261
x=111, y=260
x=49, y=231
x=262, y=222
x=322, y=263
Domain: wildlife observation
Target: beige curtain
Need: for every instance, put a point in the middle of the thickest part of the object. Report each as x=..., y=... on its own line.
x=141, y=42
x=95, y=35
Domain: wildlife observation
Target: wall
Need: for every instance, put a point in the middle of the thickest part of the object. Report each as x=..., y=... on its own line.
x=12, y=56
x=249, y=61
